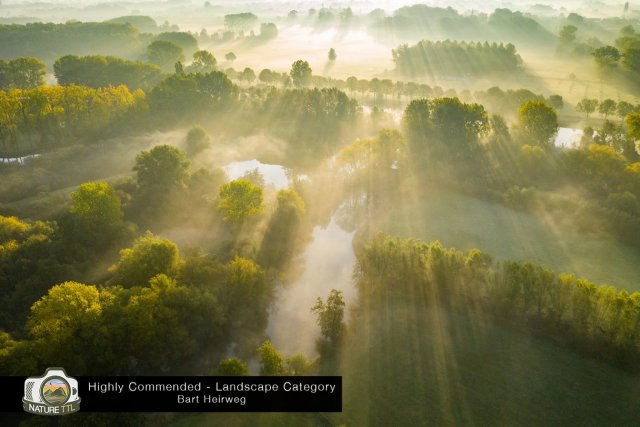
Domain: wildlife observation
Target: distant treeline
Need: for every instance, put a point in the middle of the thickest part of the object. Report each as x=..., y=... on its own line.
x=454, y=58
x=597, y=321
x=50, y=41
x=48, y=116
x=425, y=21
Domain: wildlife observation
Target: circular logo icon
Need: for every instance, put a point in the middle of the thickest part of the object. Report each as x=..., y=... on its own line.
x=55, y=391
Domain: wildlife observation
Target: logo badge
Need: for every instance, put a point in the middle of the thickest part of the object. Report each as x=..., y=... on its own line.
x=54, y=393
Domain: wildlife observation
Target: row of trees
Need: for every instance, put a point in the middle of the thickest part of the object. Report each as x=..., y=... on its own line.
x=98, y=71
x=49, y=115
x=598, y=321
x=454, y=58
x=607, y=107
x=50, y=41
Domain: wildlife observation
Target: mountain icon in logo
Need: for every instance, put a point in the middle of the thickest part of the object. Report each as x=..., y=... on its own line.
x=54, y=393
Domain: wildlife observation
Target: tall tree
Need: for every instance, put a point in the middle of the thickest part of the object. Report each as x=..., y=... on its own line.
x=539, y=122
x=300, y=73
x=164, y=54
x=240, y=200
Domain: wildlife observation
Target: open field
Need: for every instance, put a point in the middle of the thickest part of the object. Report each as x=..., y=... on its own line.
x=467, y=223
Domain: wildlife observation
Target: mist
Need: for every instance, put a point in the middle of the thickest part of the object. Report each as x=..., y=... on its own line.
x=438, y=202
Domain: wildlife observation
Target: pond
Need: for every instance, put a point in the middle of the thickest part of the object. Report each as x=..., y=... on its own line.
x=275, y=175
x=328, y=264
x=19, y=160
x=568, y=138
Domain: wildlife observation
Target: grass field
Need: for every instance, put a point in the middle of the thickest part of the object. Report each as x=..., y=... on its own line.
x=411, y=366
x=465, y=223
x=415, y=366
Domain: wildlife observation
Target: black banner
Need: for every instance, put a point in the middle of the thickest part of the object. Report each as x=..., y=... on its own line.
x=188, y=394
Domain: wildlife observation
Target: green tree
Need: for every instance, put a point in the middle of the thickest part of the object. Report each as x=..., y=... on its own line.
x=539, y=122
x=22, y=73
x=97, y=204
x=330, y=315
x=164, y=54
x=148, y=257
x=186, y=41
x=272, y=362
x=606, y=57
x=240, y=200
x=197, y=141
x=232, y=367
x=268, y=76
x=95, y=215
x=332, y=54
x=161, y=169
x=623, y=108
x=633, y=125
x=230, y=56
x=568, y=33
x=247, y=75
x=203, y=62
x=556, y=102
x=607, y=107
x=279, y=239
x=300, y=73
x=587, y=106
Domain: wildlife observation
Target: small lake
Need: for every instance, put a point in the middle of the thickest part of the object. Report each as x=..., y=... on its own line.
x=275, y=175
x=19, y=160
x=568, y=138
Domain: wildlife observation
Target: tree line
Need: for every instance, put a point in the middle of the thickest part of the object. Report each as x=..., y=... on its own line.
x=595, y=320
x=454, y=58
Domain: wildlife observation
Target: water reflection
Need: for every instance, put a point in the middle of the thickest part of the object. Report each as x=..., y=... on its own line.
x=328, y=264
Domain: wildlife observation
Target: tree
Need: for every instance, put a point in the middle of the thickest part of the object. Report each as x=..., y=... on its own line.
x=186, y=41
x=568, y=33
x=247, y=75
x=197, y=141
x=161, y=169
x=633, y=125
x=148, y=257
x=556, y=101
x=539, y=122
x=240, y=200
x=164, y=54
x=203, y=62
x=232, y=367
x=240, y=21
x=623, y=108
x=607, y=56
x=268, y=76
x=332, y=54
x=97, y=204
x=606, y=107
x=587, y=106
x=95, y=215
x=230, y=57
x=279, y=239
x=300, y=73
x=330, y=315
x=66, y=308
x=268, y=30
x=22, y=73
x=272, y=362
